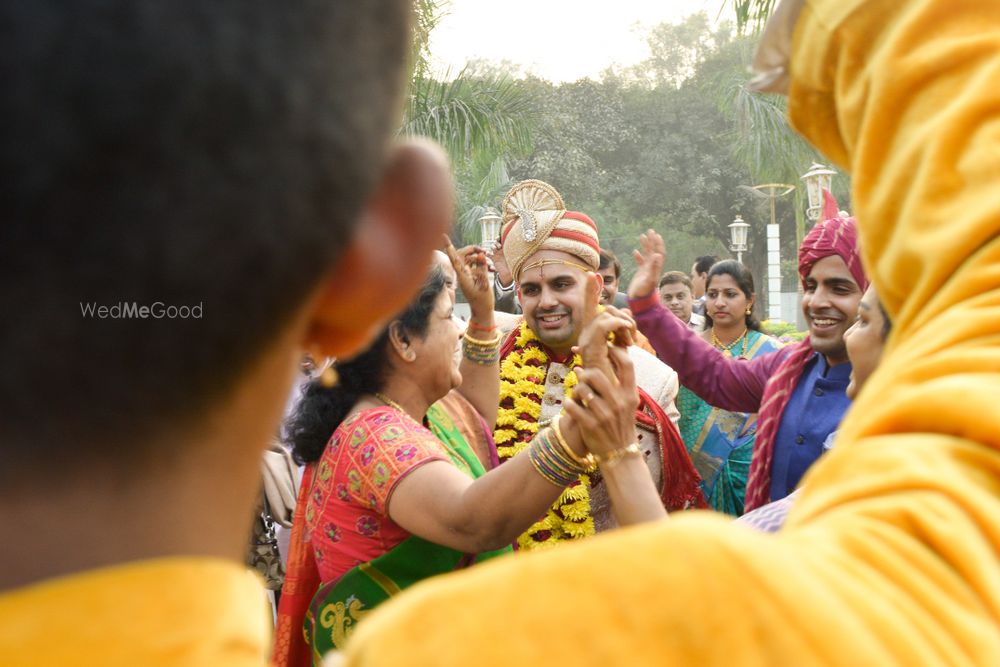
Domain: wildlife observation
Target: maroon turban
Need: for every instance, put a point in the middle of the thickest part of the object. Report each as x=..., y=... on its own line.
x=837, y=234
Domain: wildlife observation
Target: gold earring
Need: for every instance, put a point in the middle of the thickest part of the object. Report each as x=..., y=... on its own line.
x=329, y=378
x=749, y=309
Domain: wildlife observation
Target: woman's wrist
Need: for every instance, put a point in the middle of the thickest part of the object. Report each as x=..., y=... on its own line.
x=482, y=324
x=569, y=431
x=580, y=447
x=613, y=457
x=481, y=344
x=580, y=455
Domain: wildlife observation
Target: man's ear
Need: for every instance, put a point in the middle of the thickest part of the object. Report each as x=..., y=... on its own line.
x=389, y=256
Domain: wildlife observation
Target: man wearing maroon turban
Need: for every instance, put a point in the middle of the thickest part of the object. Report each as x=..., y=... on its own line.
x=798, y=390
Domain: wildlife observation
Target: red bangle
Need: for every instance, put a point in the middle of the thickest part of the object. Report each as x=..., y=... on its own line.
x=473, y=325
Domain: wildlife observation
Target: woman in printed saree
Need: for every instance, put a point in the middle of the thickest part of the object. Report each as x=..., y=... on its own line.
x=397, y=494
x=720, y=442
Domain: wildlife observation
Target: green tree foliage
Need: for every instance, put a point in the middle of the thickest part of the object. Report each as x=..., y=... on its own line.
x=750, y=14
x=426, y=16
x=645, y=148
x=481, y=119
x=481, y=122
x=762, y=140
x=669, y=144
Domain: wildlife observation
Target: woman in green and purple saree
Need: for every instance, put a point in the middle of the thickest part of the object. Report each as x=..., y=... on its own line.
x=398, y=493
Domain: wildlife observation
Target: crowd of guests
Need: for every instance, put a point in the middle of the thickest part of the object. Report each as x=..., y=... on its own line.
x=438, y=449
x=249, y=169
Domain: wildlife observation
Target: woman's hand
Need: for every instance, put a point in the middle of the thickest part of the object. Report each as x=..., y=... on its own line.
x=472, y=272
x=603, y=407
x=500, y=264
x=592, y=346
x=649, y=263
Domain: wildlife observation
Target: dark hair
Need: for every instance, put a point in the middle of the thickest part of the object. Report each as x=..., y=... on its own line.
x=173, y=154
x=704, y=263
x=320, y=410
x=608, y=258
x=672, y=277
x=744, y=280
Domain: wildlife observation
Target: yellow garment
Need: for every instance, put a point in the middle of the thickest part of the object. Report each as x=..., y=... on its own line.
x=891, y=555
x=190, y=612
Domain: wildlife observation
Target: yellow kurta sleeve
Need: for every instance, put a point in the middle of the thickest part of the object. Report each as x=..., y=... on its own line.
x=891, y=556
x=166, y=612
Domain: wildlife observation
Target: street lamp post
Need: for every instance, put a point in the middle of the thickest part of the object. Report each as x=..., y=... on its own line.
x=772, y=191
x=817, y=179
x=738, y=237
x=489, y=224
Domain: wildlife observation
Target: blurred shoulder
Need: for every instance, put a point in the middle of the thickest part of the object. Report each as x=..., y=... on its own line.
x=506, y=322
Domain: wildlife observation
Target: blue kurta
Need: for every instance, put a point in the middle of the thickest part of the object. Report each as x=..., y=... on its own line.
x=814, y=411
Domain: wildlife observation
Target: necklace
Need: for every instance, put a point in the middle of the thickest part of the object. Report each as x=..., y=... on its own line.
x=391, y=403
x=729, y=348
x=457, y=458
x=522, y=386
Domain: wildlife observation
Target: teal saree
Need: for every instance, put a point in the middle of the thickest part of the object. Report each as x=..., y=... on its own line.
x=720, y=443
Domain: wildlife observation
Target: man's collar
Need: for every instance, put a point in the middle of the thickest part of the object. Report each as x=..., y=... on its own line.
x=555, y=357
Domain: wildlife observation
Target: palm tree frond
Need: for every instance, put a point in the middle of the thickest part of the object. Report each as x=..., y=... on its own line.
x=750, y=14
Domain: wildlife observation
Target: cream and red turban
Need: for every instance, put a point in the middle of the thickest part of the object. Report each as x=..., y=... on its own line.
x=837, y=234
x=534, y=218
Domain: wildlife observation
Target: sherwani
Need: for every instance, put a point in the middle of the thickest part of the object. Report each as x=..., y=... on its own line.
x=652, y=375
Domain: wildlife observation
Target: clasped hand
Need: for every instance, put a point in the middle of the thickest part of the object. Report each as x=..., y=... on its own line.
x=605, y=398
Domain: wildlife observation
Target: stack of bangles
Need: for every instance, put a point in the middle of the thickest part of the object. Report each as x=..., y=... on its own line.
x=484, y=352
x=554, y=460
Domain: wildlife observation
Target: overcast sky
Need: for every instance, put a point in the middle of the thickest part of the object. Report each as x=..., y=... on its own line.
x=560, y=40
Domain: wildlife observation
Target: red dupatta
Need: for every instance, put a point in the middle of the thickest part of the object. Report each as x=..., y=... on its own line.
x=681, y=482
x=301, y=582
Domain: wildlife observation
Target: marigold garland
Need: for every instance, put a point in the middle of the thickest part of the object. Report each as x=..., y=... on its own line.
x=522, y=385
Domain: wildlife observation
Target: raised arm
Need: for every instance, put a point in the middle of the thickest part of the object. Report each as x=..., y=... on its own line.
x=504, y=288
x=480, y=376
x=730, y=384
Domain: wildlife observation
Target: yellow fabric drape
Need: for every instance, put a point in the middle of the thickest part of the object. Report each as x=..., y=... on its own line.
x=891, y=555
x=190, y=612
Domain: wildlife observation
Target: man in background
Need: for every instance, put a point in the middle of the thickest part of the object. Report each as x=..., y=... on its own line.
x=610, y=270
x=676, y=295
x=699, y=274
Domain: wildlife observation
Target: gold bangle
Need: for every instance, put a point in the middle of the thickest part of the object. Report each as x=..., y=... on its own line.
x=587, y=462
x=616, y=455
x=546, y=462
x=483, y=343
